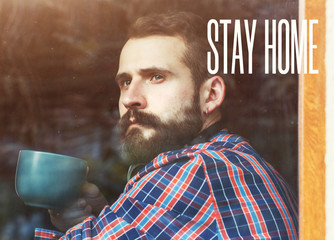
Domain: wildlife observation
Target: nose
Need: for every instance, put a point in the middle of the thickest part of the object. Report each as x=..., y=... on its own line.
x=133, y=96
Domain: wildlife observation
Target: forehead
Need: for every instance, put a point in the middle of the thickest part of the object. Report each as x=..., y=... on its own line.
x=157, y=51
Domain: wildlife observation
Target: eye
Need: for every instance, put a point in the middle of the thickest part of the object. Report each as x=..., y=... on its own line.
x=124, y=83
x=157, y=78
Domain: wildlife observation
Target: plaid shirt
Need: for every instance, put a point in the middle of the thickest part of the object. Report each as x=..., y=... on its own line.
x=221, y=189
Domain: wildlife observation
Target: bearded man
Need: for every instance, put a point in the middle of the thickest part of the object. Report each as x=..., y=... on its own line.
x=198, y=181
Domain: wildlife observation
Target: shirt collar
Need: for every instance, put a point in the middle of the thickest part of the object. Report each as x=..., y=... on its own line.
x=206, y=134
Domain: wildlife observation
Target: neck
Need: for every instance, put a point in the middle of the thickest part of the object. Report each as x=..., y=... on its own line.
x=211, y=119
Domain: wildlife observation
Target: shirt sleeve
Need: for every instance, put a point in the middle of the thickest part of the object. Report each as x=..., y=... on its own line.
x=165, y=203
x=46, y=234
x=139, y=221
x=107, y=226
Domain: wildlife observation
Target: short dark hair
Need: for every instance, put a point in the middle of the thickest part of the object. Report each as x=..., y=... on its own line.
x=190, y=27
x=193, y=30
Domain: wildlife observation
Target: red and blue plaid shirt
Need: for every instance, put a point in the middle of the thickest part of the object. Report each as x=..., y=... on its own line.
x=221, y=189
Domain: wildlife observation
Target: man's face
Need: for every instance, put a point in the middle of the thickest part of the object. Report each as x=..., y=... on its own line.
x=158, y=107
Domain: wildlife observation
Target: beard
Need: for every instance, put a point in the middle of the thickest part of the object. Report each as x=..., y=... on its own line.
x=167, y=136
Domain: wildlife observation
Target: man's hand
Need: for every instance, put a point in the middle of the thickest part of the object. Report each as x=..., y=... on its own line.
x=90, y=203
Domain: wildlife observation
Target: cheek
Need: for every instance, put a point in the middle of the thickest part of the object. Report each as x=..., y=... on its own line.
x=172, y=108
x=122, y=110
x=182, y=100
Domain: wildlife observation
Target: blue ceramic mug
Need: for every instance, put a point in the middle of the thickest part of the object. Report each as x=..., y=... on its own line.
x=49, y=180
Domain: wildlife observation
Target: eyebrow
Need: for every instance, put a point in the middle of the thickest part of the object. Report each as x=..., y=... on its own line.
x=144, y=71
x=122, y=76
x=155, y=69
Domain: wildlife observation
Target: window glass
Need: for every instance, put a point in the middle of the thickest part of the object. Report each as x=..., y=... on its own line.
x=58, y=60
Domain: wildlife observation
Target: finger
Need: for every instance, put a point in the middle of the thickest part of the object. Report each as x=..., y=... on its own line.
x=90, y=190
x=81, y=203
x=55, y=213
x=88, y=210
x=65, y=223
x=78, y=206
x=75, y=214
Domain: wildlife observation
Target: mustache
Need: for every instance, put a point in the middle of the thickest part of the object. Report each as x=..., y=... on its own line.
x=142, y=118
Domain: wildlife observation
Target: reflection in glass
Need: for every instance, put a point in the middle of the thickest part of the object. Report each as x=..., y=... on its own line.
x=58, y=60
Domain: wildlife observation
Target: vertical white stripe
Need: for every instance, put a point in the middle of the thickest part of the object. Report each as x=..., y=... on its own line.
x=264, y=199
x=329, y=120
x=221, y=184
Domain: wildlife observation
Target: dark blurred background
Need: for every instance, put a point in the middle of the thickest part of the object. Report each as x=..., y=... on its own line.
x=58, y=60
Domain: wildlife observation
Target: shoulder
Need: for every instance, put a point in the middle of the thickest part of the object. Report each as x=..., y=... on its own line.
x=228, y=154
x=223, y=152
x=224, y=146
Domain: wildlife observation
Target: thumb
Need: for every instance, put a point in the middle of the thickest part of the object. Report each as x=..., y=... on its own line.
x=89, y=190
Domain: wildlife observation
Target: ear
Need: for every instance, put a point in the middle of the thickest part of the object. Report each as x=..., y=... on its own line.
x=212, y=94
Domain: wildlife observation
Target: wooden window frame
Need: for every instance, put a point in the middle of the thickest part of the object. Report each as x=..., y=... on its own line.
x=312, y=131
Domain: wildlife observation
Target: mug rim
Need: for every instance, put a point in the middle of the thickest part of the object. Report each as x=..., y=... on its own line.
x=48, y=153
